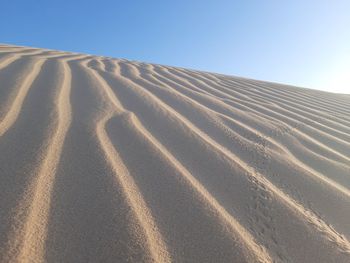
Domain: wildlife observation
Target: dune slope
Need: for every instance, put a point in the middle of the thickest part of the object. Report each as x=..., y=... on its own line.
x=109, y=160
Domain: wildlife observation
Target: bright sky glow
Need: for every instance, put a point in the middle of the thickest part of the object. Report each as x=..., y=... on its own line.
x=333, y=77
x=299, y=42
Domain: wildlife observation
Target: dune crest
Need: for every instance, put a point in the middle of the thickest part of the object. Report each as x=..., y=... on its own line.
x=110, y=160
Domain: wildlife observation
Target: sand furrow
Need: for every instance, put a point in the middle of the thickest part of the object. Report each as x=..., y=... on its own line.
x=253, y=90
x=209, y=103
x=254, y=250
x=321, y=150
x=295, y=124
x=8, y=60
x=133, y=195
x=204, y=103
x=14, y=110
x=279, y=146
x=319, y=125
x=28, y=242
x=339, y=240
x=269, y=91
x=156, y=245
x=337, y=124
x=332, y=142
x=308, y=100
x=23, y=89
x=16, y=56
x=346, y=159
x=144, y=97
x=293, y=106
x=105, y=160
x=337, y=186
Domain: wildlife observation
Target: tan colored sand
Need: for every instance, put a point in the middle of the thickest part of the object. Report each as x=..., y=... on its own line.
x=107, y=160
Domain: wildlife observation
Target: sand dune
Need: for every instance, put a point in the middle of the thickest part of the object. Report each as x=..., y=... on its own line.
x=109, y=160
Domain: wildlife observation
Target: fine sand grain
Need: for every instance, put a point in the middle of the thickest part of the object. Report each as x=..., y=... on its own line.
x=110, y=160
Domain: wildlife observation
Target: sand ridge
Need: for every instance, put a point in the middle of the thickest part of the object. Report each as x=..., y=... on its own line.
x=179, y=166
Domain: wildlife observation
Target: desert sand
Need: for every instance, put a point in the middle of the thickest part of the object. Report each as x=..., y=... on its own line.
x=110, y=160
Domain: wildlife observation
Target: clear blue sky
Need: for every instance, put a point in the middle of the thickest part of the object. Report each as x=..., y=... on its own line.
x=305, y=43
